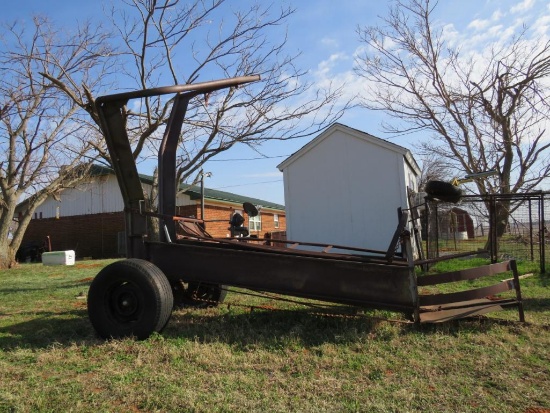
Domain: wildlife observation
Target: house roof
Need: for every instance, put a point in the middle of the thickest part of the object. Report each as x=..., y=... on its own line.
x=355, y=133
x=194, y=191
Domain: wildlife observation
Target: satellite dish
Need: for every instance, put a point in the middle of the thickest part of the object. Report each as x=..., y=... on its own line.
x=250, y=209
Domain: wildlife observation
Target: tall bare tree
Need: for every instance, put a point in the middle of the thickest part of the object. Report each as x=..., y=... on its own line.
x=44, y=144
x=179, y=42
x=433, y=168
x=480, y=112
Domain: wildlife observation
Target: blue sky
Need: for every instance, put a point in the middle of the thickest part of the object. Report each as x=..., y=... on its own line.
x=325, y=32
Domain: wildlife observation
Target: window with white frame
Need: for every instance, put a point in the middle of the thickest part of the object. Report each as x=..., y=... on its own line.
x=276, y=220
x=255, y=223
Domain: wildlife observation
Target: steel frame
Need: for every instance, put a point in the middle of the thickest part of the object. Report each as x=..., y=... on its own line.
x=363, y=278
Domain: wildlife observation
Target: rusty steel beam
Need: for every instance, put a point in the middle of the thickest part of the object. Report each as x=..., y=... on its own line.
x=113, y=125
x=366, y=284
x=462, y=275
x=167, y=162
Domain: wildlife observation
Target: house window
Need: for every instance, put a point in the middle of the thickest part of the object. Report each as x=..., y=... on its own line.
x=276, y=220
x=255, y=223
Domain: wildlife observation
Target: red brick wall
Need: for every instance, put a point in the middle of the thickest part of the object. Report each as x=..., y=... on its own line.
x=96, y=235
x=88, y=235
x=220, y=214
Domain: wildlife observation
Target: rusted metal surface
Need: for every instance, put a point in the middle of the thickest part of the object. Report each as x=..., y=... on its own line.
x=468, y=274
x=113, y=125
x=447, y=298
x=201, y=87
x=447, y=306
x=354, y=282
x=440, y=314
x=167, y=163
x=403, y=218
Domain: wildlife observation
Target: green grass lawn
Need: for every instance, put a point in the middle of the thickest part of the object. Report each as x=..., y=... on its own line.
x=232, y=359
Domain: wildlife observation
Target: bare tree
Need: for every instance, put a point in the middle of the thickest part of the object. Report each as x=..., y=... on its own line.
x=481, y=112
x=176, y=42
x=45, y=147
x=433, y=169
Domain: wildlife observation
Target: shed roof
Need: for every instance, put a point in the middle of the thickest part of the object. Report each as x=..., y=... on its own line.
x=355, y=133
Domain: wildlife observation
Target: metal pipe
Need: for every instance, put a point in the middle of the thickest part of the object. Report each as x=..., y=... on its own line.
x=203, y=87
x=202, y=194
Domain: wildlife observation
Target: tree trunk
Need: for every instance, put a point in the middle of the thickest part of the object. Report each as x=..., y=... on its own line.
x=7, y=255
x=501, y=212
x=152, y=203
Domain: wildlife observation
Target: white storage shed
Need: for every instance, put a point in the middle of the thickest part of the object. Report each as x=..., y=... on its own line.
x=344, y=188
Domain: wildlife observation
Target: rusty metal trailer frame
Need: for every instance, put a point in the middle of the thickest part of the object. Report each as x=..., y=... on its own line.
x=134, y=297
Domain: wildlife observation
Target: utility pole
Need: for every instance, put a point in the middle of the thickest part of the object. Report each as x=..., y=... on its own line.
x=203, y=174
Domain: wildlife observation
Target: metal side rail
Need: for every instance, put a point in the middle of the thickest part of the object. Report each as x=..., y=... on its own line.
x=441, y=307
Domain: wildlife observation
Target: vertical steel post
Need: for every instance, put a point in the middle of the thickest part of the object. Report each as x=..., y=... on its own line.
x=112, y=118
x=514, y=268
x=202, y=194
x=529, y=206
x=494, y=231
x=167, y=165
x=427, y=213
x=542, y=238
x=436, y=230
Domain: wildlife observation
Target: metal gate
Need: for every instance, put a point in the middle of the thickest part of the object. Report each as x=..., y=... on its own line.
x=473, y=225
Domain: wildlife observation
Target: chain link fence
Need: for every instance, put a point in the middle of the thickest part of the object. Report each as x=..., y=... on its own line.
x=471, y=225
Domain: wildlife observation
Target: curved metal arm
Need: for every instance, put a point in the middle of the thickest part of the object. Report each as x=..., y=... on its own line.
x=113, y=125
x=203, y=87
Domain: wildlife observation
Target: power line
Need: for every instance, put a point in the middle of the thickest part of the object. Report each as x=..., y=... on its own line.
x=255, y=183
x=249, y=159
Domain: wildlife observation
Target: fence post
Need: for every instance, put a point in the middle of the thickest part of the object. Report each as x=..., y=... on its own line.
x=531, y=230
x=436, y=230
x=542, y=236
x=493, y=228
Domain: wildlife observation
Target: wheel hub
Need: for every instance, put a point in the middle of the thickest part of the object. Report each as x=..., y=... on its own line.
x=124, y=302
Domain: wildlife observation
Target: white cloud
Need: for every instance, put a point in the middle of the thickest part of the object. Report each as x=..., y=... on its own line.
x=497, y=15
x=495, y=31
x=450, y=34
x=327, y=65
x=329, y=42
x=478, y=24
x=522, y=6
x=542, y=26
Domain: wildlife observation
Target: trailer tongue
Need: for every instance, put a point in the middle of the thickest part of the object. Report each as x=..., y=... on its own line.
x=135, y=297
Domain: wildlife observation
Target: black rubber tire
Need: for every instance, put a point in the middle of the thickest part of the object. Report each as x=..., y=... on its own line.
x=443, y=191
x=130, y=298
x=200, y=295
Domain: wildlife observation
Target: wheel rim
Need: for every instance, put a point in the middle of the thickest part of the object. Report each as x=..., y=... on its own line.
x=124, y=302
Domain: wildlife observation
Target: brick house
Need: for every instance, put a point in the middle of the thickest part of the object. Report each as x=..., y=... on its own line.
x=89, y=218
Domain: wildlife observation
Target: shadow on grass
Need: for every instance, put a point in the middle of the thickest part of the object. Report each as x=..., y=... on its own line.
x=273, y=330
x=268, y=329
x=42, y=329
x=536, y=304
x=85, y=284
x=287, y=329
